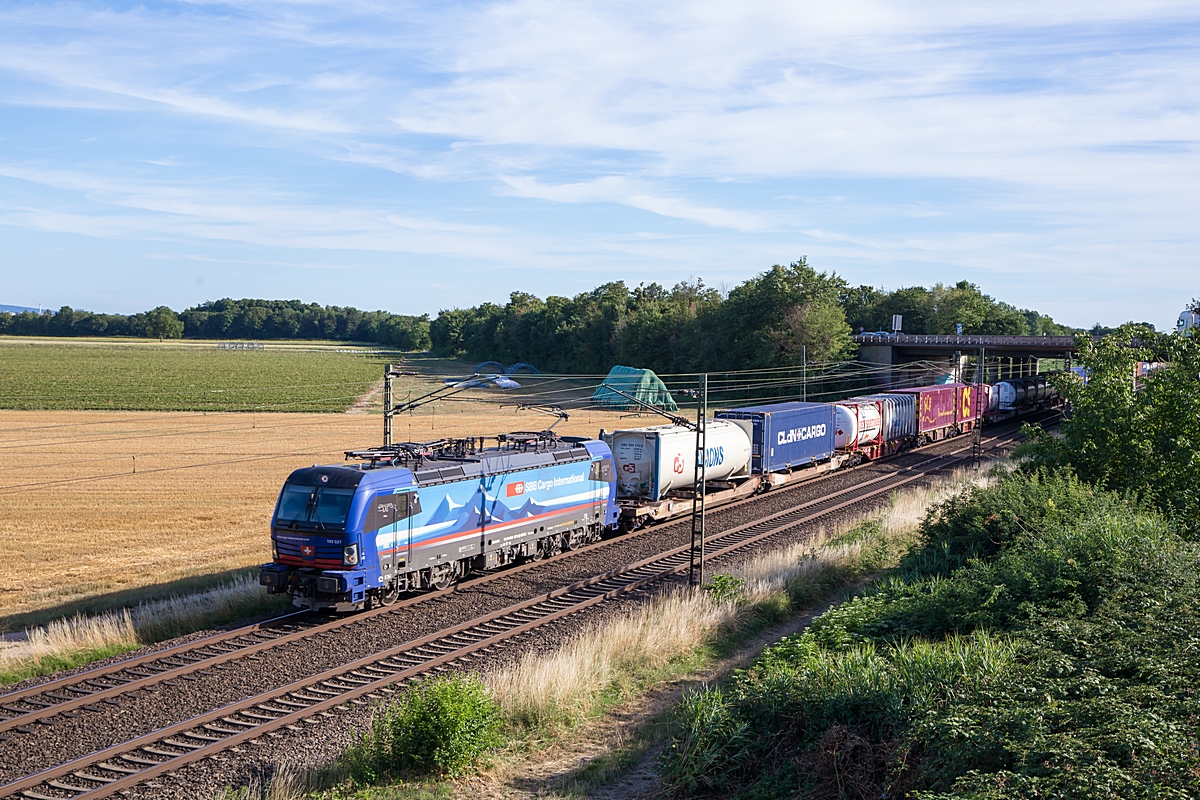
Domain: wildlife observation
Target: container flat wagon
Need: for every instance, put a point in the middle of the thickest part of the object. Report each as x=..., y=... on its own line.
x=749, y=451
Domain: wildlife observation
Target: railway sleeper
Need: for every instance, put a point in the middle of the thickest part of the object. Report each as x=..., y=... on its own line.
x=384, y=672
x=464, y=638
x=356, y=681
x=87, y=776
x=203, y=737
x=260, y=717
x=67, y=787
x=241, y=723
x=143, y=673
x=108, y=765
x=289, y=703
x=154, y=751
x=38, y=703
x=145, y=762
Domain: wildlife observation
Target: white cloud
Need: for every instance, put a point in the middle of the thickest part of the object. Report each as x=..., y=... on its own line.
x=617, y=189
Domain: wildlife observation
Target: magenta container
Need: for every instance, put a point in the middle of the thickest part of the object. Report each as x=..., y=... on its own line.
x=937, y=406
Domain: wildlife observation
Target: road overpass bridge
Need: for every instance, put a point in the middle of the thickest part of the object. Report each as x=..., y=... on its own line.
x=916, y=358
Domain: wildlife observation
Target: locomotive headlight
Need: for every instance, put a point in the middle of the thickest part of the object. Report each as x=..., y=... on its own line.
x=350, y=555
x=274, y=550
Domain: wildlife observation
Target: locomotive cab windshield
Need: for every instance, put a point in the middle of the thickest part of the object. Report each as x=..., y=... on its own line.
x=316, y=499
x=320, y=508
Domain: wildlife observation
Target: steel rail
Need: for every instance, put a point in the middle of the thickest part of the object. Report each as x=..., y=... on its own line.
x=104, y=684
x=127, y=764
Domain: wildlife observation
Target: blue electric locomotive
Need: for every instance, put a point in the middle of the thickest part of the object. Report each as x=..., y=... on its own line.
x=420, y=516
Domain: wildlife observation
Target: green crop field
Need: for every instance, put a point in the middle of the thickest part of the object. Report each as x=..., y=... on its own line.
x=36, y=374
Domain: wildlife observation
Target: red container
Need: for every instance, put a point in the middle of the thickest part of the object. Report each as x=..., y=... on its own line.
x=972, y=401
x=937, y=406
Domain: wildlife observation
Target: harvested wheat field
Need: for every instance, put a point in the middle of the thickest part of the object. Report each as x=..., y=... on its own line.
x=82, y=529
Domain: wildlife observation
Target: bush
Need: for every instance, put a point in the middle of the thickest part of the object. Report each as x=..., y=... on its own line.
x=1057, y=659
x=713, y=746
x=439, y=725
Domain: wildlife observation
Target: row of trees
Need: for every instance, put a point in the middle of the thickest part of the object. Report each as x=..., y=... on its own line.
x=941, y=309
x=760, y=323
x=232, y=319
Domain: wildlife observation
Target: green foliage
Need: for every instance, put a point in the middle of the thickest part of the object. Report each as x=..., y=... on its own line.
x=153, y=378
x=1143, y=438
x=941, y=309
x=438, y=726
x=232, y=319
x=163, y=323
x=18, y=671
x=763, y=322
x=1040, y=643
x=977, y=523
x=713, y=746
x=725, y=588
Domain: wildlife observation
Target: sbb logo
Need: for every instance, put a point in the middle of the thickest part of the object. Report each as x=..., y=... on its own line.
x=679, y=463
x=517, y=488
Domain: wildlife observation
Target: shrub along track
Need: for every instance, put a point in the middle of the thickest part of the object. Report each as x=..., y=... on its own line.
x=146, y=749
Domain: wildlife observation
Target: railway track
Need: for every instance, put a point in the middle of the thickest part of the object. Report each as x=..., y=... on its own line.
x=376, y=676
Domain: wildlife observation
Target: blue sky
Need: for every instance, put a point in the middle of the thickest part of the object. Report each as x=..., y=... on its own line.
x=418, y=157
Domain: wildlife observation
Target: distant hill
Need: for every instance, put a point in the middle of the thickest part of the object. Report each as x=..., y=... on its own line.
x=17, y=309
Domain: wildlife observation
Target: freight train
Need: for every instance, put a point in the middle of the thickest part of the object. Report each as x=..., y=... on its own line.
x=421, y=516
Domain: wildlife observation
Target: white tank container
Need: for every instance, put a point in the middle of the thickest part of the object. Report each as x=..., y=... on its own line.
x=858, y=422
x=1010, y=395
x=652, y=461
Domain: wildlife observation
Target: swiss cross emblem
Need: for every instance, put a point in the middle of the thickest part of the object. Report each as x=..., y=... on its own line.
x=307, y=550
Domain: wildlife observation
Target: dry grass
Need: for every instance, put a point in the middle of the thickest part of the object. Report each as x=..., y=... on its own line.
x=566, y=685
x=853, y=546
x=83, y=532
x=72, y=641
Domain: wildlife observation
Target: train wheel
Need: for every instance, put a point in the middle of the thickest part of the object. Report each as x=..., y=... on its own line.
x=389, y=594
x=575, y=540
x=443, y=576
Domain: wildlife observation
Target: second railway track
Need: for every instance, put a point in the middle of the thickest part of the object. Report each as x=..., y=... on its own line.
x=304, y=702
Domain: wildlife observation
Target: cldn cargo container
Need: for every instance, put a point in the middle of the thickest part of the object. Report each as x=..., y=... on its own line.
x=784, y=436
x=650, y=462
